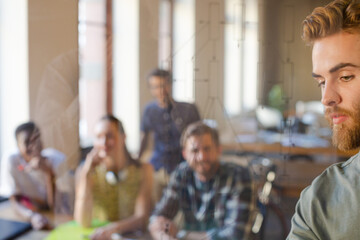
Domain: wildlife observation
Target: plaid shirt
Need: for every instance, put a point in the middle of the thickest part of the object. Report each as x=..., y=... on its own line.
x=220, y=206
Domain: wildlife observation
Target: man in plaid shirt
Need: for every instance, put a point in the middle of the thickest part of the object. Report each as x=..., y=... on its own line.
x=214, y=197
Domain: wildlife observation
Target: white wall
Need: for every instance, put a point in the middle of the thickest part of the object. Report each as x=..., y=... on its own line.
x=14, y=69
x=125, y=68
x=14, y=93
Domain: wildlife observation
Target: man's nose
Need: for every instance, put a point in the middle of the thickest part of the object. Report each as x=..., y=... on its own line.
x=162, y=89
x=201, y=156
x=330, y=95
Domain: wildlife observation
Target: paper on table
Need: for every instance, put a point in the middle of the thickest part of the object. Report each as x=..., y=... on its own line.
x=73, y=231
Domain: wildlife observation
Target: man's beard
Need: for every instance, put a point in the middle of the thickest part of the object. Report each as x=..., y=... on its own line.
x=346, y=136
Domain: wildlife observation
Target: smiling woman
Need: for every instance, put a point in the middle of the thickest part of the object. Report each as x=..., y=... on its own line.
x=125, y=202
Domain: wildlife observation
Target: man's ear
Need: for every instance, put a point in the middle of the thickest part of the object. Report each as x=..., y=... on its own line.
x=183, y=153
x=219, y=148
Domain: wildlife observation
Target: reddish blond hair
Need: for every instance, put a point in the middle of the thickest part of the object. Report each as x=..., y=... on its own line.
x=337, y=16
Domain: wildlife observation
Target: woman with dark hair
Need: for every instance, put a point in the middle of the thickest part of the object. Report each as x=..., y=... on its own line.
x=31, y=173
x=111, y=185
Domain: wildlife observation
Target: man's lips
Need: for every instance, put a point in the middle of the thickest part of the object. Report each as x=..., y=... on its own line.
x=338, y=118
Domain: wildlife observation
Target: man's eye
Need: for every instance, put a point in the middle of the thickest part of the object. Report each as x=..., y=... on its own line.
x=347, y=78
x=321, y=83
x=194, y=150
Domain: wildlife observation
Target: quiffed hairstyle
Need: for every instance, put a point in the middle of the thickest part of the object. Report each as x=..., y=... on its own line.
x=199, y=128
x=337, y=16
x=157, y=72
x=28, y=127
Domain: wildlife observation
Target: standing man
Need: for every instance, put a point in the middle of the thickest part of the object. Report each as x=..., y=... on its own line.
x=330, y=207
x=32, y=172
x=214, y=197
x=166, y=119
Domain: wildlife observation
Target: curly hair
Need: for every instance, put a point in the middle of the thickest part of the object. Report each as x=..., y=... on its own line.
x=337, y=16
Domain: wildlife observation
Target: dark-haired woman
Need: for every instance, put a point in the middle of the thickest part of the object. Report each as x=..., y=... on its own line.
x=111, y=185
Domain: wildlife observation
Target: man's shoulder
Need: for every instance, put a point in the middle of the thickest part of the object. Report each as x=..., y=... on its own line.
x=183, y=169
x=187, y=111
x=333, y=194
x=185, y=105
x=341, y=170
x=335, y=177
x=183, y=166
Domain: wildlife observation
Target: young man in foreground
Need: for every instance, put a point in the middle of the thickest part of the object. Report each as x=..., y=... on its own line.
x=329, y=207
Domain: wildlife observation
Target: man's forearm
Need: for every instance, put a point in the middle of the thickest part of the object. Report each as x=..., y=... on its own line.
x=161, y=235
x=192, y=235
x=129, y=224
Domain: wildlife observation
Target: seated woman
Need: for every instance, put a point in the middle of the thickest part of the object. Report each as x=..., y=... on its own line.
x=31, y=173
x=111, y=185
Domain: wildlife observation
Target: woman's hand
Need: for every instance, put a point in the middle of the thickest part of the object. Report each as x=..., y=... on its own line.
x=104, y=233
x=39, y=221
x=93, y=159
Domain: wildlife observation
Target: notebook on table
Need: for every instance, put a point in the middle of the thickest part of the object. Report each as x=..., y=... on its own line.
x=10, y=229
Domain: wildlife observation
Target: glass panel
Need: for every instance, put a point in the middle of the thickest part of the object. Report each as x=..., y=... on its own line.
x=92, y=63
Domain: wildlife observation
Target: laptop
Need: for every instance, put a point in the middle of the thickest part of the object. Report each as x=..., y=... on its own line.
x=10, y=229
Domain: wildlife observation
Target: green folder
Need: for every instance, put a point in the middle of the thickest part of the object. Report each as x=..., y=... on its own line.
x=73, y=231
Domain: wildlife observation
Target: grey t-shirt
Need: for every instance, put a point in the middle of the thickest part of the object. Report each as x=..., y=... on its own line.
x=330, y=207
